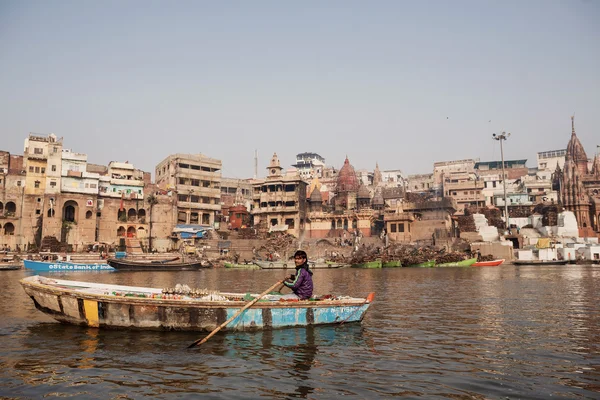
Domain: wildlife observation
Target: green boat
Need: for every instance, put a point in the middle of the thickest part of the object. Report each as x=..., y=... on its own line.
x=464, y=263
x=240, y=266
x=391, y=264
x=426, y=264
x=370, y=264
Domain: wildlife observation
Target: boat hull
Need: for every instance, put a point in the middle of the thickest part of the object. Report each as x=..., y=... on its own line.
x=493, y=263
x=240, y=266
x=540, y=262
x=370, y=264
x=426, y=264
x=106, y=306
x=44, y=266
x=464, y=263
x=391, y=264
x=10, y=266
x=125, y=265
x=291, y=264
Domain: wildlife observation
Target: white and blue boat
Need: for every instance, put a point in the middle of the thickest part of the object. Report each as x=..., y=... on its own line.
x=103, y=305
x=45, y=266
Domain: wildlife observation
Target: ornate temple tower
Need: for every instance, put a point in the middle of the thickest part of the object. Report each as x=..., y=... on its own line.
x=572, y=191
x=346, y=187
x=377, y=178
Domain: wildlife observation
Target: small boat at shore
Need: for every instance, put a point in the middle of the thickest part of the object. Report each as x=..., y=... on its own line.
x=115, y=306
x=493, y=263
x=391, y=264
x=290, y=264
x=463, y=263
x=10, y=266
x=44, y=266
x=426, y=264
x=174, y=264
x=368, y=264
x=540, y=262
x=228, y=264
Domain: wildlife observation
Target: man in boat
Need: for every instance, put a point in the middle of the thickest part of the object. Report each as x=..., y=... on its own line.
x=301, y=283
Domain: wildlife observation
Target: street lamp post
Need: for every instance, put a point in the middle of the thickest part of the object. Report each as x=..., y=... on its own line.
x=501, y=137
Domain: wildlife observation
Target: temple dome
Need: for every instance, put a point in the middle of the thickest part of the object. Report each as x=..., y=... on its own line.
x=314, y=184
x=315, y=196
x=363, y=193
x=378, y=198
x=347, y=180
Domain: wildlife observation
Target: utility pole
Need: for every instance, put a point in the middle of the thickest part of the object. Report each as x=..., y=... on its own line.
x=501, y=137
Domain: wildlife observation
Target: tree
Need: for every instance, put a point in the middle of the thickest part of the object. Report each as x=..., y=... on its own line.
x=152, y=201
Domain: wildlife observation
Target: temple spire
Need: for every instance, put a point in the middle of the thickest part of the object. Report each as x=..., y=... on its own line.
x=573, y=125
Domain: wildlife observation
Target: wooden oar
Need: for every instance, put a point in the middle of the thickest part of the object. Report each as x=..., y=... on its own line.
x=250, y=304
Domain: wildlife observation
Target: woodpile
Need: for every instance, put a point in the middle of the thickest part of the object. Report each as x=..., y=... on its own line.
x=279, y=242
x=406, y=254
x=51, y=244
x=466, y=223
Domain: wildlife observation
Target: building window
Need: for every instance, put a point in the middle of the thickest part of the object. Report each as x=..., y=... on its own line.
x=30, y=169
x=52, y=184
x=92, y=185
x=37, y=184
x=54, y=168
x=37, y=170
x=38, y=212
x=18, y=183
x=38, y=150
x=43, y=170
x=393, y=228
x=401, y=227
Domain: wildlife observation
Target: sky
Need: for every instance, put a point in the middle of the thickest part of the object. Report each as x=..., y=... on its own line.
x=399, y=83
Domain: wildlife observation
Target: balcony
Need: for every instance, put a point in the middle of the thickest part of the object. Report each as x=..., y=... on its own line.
x=198, y=206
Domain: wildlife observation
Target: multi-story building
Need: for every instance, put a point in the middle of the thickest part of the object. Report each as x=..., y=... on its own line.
x=465, y=188
x=420, y=183
x=279, y=200
x=309, y=165
x=443, y=169
x=196, y=180
x=548, y=160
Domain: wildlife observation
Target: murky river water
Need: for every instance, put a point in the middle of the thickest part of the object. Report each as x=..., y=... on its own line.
x=460, y=333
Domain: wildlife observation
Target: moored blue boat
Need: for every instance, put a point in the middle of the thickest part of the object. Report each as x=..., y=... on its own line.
x=116, y=306
x=42, y=266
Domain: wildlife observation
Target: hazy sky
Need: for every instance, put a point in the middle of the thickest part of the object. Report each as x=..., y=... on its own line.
x=401, y=83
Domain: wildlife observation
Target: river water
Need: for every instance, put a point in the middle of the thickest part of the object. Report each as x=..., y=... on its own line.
x=511, y=332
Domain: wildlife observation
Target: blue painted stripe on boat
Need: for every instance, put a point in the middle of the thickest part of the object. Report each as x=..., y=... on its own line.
x=252, y=317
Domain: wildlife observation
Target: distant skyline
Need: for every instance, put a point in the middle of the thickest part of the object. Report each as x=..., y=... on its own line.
x=399, y=83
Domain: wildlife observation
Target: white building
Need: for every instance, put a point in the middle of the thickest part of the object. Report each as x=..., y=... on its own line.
x=309, y=165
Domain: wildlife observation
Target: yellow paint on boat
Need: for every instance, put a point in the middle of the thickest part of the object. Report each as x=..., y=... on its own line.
x=91, y=312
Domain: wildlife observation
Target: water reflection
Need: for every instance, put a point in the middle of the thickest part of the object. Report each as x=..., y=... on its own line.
x=516, y=332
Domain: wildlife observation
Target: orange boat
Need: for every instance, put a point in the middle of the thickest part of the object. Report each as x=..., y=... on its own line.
x=493, y=263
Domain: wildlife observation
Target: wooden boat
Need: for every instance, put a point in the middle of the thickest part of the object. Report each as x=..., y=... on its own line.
x=368, y=264
x=426, y=264
x=115, y=306
x=540, y=262
x=463, y=263
x=175, y=264
x=10, y=266
x=227, y=264
x=290, y=264
x=493, y=263
x=326, y=264
x=275, y=264
x=391, y=264
x=44, y=266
